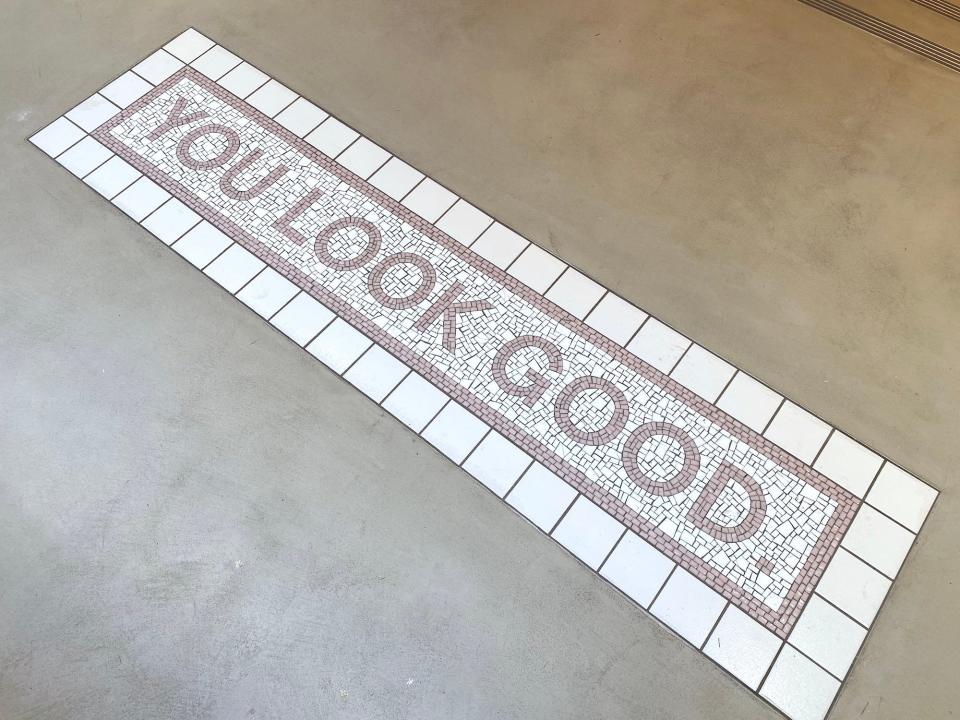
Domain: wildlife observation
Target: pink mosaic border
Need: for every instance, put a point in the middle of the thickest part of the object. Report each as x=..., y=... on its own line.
x=779, y=622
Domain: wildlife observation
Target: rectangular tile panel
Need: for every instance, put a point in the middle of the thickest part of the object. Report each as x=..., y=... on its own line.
x=600, y=424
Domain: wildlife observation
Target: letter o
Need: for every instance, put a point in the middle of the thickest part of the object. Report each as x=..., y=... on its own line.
x=679, y=482
x=322, y=244
x=427, y=281
x=616, y=423
x=187, y=141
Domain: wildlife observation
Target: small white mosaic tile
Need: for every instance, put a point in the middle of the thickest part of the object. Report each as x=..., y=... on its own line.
x=497, y=463
x=84, y=157
x=171, y=220
x=339, y=346
x=363, y=158
x=429, y=200
x=141, y=198
x=879, y=540
x=455, y=432
x=637, y=568
x=243, y=80
x=188, y=45
x=827, y=636
x=376, y=373
x=202, y=244
x=57, y=136
x=688, y=606
x=125, y=89
x=536, y=268
x=848, y=463
x=267, y=292
x=301, y=117
x=463, y=222
x=798, y=687
x=415, y=402
x=157, y=67
x=541, y=497
x=616, y=318
x=658, y=345
x=302, y=319
x=216, y=62
x=854, y=587
x=575, y=293
x=902, y=496
x=750, y=401
x=234, y=268
x=703, y=372
x=798, y=432
x=742, y=646
x=588, y=532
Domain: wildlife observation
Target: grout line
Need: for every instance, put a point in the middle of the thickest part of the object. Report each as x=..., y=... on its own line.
x=467, y=457
x=356, y=359
x=773, y=417
x=280, y=309
x=564, y=514
x=783, y=644
x=517, y=482
x=90, y=172
x=240, y=289
x=713, y=628
x=610, y=552
x=594, y=306
x=204, y=268
x=656, y=595
x=635, y=333
x=680, y=360
x=277, y=113
x=822, y=447
x=868, y=563
x=839, y=609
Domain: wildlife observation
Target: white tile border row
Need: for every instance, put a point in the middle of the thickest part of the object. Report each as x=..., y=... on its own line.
x=800, y=676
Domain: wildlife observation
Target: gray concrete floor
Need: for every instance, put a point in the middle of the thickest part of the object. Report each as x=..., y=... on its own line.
x=197, y=520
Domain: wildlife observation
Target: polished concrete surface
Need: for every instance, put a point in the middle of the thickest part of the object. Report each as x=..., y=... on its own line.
x=774, y=183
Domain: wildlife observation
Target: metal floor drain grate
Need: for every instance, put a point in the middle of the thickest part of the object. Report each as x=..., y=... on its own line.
x=892, y=33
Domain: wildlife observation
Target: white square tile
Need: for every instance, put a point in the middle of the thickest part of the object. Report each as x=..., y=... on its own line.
x=376, y=373
x=703, y=372
x=853, y=586
x=301, y=117
x=463, y=222
x=688, y=606
x=658, y=345
x=271, y=98
x=267, y=292
x=302, y=318
x=615, y=317
x=157, y=67
x=588, y=532
x=92, y=112
x=171, y=220
x=429, y=200
x=499, y=244
x=234, y=268
x=575, y=293
x=848, y=463
x=797, y=431
x=216, y=62
x=879, y=540
x=637, y=568
x=202, y=244
x=125, y=89
x=188, y=45
x=902, y=496
x=112, y=177
x=242, y=80
x=57, y=136
x=742, y=646
x=497, y=463
x=414, y=402
x=141, y=198
x=339, y=346
x=396, y=178
x=798, y=687
x=827, y=636
x=541, y=496
x=84, y=157
x=332, y=137
x=536, y=268
x=363, y=158
x=749, y=401
x=455, y=432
